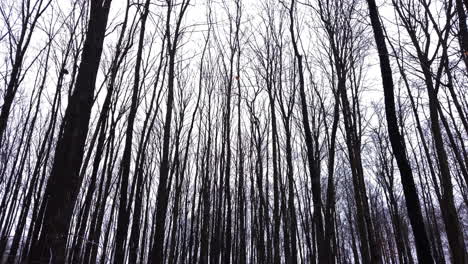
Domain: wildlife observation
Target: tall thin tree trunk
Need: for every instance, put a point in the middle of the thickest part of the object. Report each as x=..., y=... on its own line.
x=397, y=141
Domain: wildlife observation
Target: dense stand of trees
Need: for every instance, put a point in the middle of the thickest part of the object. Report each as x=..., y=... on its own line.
x=234, y=131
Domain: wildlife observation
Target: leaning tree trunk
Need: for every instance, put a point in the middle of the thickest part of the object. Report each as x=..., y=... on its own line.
x=124, y=172
x=163, y=188
x=397, y=142
x=323, y=249
x=63, y=184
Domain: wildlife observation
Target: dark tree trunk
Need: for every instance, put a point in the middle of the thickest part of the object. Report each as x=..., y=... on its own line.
x=397, y=141
x=63, y=184
x=323, y=249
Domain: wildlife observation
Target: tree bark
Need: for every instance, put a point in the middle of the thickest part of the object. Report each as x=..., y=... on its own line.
x=397, y=141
